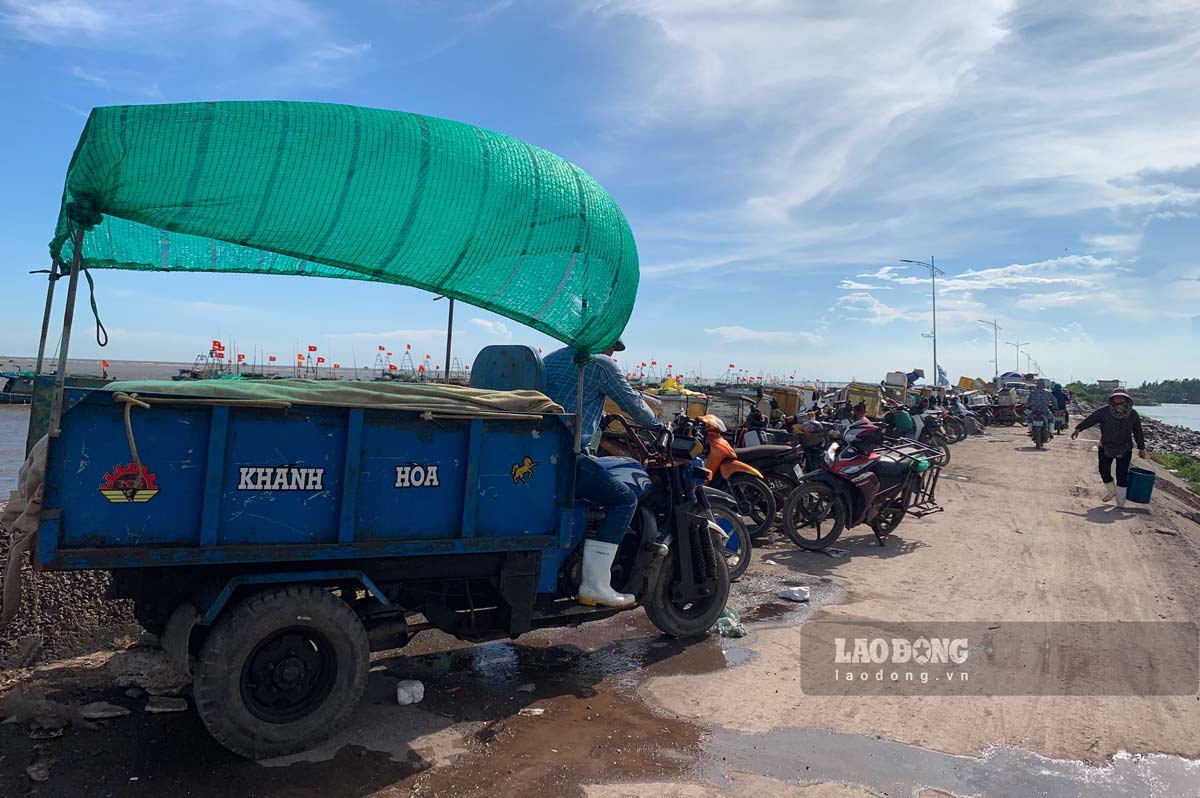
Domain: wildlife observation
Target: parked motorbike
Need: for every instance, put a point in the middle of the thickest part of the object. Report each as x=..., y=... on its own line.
x=933, y=435
x=867, y=480
x=742, y=481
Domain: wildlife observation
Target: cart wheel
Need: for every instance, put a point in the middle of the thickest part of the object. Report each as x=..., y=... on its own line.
x=678, y=618
x=281, y=671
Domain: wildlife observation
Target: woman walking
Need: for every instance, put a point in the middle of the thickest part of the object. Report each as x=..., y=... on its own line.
x=1120, y=428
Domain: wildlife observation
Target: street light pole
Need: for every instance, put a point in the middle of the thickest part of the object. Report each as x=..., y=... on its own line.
x=995, y=345
x=934, y=271
x=1018, y=346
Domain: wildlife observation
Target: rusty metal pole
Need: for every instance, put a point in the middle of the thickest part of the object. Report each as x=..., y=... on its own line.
x=65, y=344
x=41, y=356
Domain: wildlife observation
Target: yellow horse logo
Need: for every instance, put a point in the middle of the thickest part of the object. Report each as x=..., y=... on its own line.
x=523, y=471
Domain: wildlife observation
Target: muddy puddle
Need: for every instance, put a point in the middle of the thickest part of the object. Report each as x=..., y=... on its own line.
x=891, y=768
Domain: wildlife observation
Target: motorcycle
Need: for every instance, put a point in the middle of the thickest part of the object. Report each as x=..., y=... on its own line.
x=625, y=445
x=867, y=480
x=933, y=435
x=1038, y=429
x=1060, y=421
x=744, y=482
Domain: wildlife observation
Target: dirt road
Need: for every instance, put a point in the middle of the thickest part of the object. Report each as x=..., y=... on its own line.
x=625, y=712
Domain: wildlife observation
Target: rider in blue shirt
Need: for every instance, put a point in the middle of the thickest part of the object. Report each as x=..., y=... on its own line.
x=601, y=379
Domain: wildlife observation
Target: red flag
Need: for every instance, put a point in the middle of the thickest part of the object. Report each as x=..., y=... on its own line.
x=669, y=366
x=407, y=346
x=219, y=355
x=337, y=365
x=104, y=363
x=427, y=357
x=731, y=365
x=421, y=368
x=643, y=362
x=312, y=348
x=391, y=366
x=271, y=358
x=299, y=357
x=219, y=348
x=437, y=368
x=320, y=360
x=381, y=348
x=241, y=357
x=216, y=344
x=389, y=354
x=653, y=362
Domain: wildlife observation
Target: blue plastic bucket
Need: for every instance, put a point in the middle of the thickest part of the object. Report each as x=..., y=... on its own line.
x=1141, y=485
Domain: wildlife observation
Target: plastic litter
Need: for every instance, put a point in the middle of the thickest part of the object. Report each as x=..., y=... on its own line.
x=837, y=554
x=531, y=712
x=795, y=594
x=730, y=624
x=409, y=691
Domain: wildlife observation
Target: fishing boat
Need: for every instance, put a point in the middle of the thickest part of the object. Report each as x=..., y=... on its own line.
x=18, y=388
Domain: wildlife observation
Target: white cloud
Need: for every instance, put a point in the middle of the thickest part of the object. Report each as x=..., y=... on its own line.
x=62, y=20
x=495, y=328
x=744, y=335
x=1113, y=242
x=867, y=308
x=1073, y=333
x=852, y=285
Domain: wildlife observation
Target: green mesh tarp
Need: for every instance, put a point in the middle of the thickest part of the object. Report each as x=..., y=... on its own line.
x=359, y=193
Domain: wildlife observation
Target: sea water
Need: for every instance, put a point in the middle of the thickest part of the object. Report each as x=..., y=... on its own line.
x=1179, y=415
x=14, y=421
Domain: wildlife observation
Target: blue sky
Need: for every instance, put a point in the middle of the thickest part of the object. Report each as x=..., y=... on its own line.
x=776, y=161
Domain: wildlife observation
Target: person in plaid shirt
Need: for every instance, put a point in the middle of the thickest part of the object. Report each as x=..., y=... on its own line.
x=593, y=482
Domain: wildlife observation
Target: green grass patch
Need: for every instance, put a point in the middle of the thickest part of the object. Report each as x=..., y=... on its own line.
x=1184, y=467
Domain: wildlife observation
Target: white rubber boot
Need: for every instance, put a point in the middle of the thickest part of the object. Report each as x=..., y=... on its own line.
x=597, y=586
x=1110, y=490
x=1121, y=496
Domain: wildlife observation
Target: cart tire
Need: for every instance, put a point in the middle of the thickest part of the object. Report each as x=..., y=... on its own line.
x=692, y=620
x=307, y=634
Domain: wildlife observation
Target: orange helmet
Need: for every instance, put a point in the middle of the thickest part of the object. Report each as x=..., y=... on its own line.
x=711, y=422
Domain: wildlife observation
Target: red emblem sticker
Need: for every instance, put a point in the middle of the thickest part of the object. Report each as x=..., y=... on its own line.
x=122, y=485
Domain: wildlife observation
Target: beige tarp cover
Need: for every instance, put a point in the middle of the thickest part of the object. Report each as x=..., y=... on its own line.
x=436, y=398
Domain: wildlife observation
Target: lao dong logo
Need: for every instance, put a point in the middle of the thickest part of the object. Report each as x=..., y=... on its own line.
x=901, y=651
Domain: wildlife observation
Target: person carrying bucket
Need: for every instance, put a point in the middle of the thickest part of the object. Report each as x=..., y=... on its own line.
x=1120, y=427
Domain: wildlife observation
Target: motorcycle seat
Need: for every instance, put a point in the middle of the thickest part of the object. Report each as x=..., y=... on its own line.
x=750, y=454
x=889, y=467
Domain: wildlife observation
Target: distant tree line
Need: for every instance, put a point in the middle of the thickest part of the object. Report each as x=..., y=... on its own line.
x=1166, y=392
x=1169, y=392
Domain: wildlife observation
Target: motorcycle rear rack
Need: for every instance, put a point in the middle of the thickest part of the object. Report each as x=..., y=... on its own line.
x=923, y=492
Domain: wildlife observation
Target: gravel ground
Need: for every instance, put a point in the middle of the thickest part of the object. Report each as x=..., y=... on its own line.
x=62, y=615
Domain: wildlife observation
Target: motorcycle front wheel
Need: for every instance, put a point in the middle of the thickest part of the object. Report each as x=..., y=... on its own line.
x=739, y=548
x=677, y=617
x=756, y=503
x=814, y=516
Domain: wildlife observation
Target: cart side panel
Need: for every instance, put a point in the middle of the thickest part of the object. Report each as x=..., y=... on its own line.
x=520, y=464
x=281, y=480
x=398, y=498
x=91, y=475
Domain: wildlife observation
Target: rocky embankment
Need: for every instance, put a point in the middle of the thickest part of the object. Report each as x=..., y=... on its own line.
x=1160, y=437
